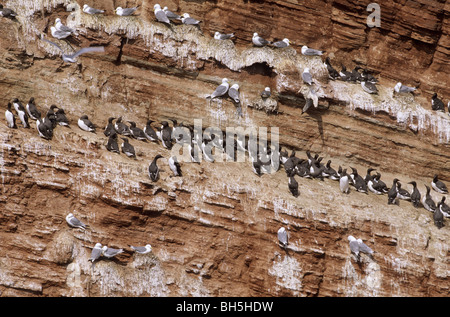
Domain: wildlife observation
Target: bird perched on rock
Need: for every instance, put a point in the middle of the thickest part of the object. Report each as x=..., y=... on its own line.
x=233, y=93
x=311, y=52
x=332, y=73
x=33, y=113
x=89, y=10
x=222, y=36
x=258, y=40
x=175, y=166
x=150, y=132
x=438, y=218
x=153, y=169
x=142, y=250
x=7, y=13
x=121, y=128
x=358, y=181
x=72, y=58
x=438, y=185
x=136, y=132
x=165, y=135
x=281, y=44
x=443, y=207
x=436, y=103
x=415, y=195
x=110, y=252
x=266, y=93
x=282, y=237
x=21, y=112
x=128, y=149
x=344, y=182
x=186, y=19
x=358, y=246
x=402, y=193
x=293, y=185
x=112, y=144
x=10, y=118
x=109, y=129
x=392, y=193
x=160, y=15
x=428, y=202
x=61, y=118
x=44, y=128
x=125, y=11
x=74, y=222
x=59, y=34
x=402, y=89
x=85, y=124
x=306, y=76
x=171, y=15
x=368, y=86
x=96, y=252
x=63, y=28
x=221, y=90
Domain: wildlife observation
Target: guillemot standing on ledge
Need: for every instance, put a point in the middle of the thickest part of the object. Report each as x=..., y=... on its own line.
x=428, y=202
x=10, y=118
x=127, y=148
x=153, y=169
x=415, y=195
x=32, y=109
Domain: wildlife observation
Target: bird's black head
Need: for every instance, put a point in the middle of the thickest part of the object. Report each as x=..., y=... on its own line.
x=158, y=156
x=110, y=119
x=31, y=100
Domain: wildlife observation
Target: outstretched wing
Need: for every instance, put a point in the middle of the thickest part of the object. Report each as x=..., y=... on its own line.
x=88, y=50
x=54, y=44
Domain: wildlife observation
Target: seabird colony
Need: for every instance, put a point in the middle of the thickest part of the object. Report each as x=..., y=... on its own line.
x=309, y=167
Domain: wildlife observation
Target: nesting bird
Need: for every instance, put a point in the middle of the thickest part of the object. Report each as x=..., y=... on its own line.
x=160, y=15
x=311, y=52
x=358, y=246
x=402, y=89
x=89, y=10
x=222, y=36
x=142, y=250
x=125, y=11
x=186, y=19
x=281, y=44
x=110, y=252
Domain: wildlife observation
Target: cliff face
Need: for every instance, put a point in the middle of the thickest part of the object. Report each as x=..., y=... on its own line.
x=214, y=230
